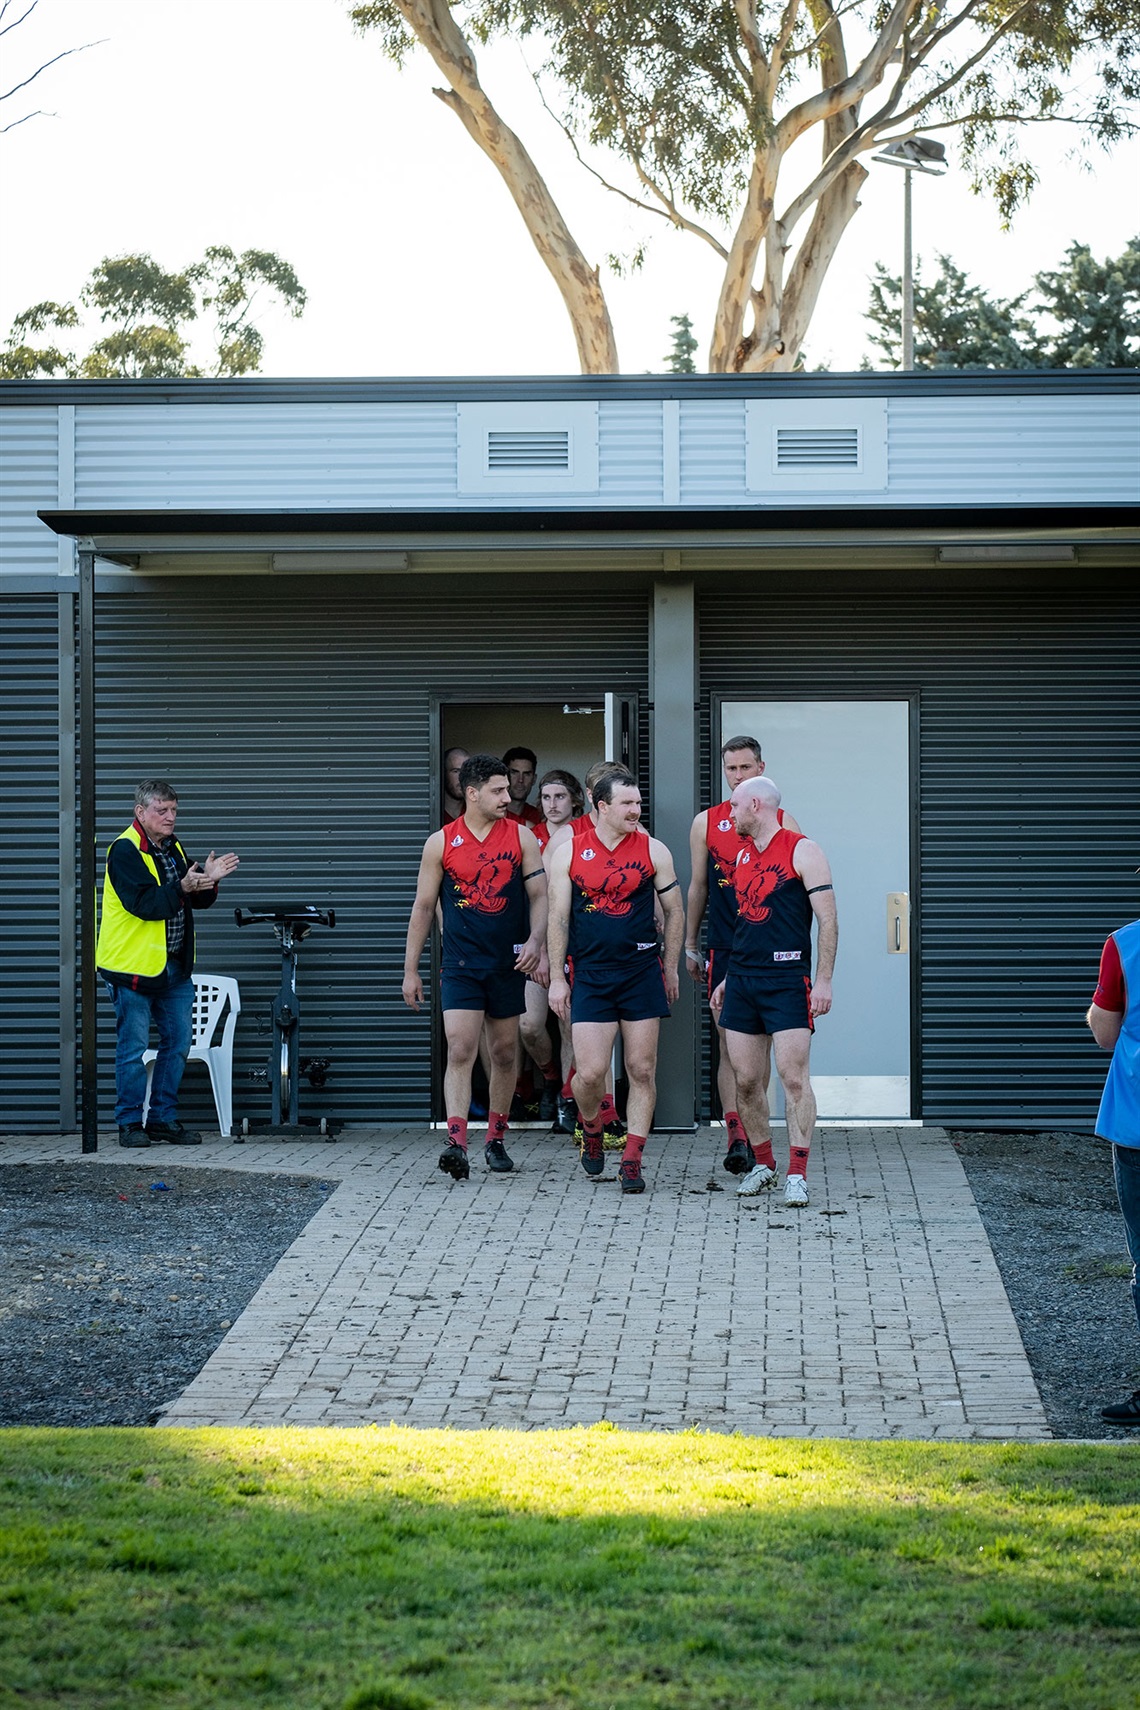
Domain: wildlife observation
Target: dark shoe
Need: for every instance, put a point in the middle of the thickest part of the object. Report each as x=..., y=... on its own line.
x=496, y=1156
x=630, y=1176
x=738, y=1160
x=1123, y=1412
x=593, y=1154
x=477, y=1111
x=453, y=1162
x=171, y=1134
x=523, y=1109
x=135, y=1135
x=614, y=1135
x=548, y=1101
x=567, y=1117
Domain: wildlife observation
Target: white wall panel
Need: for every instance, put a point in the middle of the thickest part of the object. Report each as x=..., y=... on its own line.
x=29, y=482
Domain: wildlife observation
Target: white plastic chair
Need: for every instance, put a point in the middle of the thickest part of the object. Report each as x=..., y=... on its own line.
x=211, y=993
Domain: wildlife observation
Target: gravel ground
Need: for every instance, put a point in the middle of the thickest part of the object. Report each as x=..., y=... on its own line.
x=1049, y=1206
x=117, y=1282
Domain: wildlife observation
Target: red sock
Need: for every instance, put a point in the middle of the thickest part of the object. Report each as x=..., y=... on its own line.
x=497, y=1125
x=797, y=1161
x=568, y=1085
x=735, y=1127
x=457, y=1131
x=634, y=1147
x=764, y=1154
x=608, y=1109
x=550, y=1071
x=592, y=1126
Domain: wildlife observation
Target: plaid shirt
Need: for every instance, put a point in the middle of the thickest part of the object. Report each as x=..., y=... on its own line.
x=176, y=925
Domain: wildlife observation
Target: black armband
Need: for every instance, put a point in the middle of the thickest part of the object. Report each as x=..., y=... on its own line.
x=665, y=889
x=816, y=888
x=539, y=873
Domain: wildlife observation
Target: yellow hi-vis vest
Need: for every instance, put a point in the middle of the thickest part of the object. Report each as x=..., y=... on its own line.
x=126, y=944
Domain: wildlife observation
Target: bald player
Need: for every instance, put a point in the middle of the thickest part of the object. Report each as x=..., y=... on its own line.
x=714, y=844
x=769, y=1000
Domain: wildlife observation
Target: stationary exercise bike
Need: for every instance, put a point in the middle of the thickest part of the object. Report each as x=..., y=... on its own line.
x=291, y=924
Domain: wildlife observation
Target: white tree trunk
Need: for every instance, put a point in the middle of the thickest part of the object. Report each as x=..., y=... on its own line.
x=435, y=27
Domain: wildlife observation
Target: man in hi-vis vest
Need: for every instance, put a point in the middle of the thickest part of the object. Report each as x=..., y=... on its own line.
x=145, y=954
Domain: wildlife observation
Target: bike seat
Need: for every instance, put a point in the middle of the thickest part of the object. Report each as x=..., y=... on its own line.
x=286, y=914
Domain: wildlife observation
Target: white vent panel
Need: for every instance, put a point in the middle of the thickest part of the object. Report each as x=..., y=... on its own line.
x=818, y=446
x=535, y=450
x=540, y=450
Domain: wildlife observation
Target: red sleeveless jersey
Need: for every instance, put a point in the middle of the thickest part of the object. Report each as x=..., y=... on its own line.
x=486, y=917
x=724, y=844
x=774, y=915
x=611, y=901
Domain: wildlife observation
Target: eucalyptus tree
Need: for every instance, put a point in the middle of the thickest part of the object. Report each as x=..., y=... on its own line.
x=708, y=108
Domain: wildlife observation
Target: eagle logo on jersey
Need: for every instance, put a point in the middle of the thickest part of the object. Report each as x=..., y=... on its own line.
x=613, y=892
x=487, y=891
x=757, y=884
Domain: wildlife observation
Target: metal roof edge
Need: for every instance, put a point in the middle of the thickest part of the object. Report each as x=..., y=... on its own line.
x=543, y=522
x=443, y=389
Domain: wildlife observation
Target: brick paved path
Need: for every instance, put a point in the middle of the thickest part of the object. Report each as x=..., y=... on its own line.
x=545, y=1298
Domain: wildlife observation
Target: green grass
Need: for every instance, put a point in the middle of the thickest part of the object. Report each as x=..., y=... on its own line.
x=399, y=1570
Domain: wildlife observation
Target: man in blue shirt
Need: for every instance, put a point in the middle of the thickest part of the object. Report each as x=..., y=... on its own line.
x=1115, y=1022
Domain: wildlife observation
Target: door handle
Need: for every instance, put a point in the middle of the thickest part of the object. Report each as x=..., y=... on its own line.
x=898, y=923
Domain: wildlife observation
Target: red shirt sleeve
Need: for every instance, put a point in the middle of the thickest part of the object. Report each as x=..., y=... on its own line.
x=1110, y=993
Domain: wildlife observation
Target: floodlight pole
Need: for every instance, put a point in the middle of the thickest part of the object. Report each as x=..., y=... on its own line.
x=912, y=154
x=907, y=278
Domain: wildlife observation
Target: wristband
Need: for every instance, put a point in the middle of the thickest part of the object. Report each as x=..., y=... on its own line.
x=695, y=956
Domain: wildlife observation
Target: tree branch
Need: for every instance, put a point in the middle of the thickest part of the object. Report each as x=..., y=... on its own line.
x=668, y=210
x=433, y=24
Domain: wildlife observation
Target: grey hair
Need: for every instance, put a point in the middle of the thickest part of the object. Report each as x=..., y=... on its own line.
x=154, y=790
x=762, y=787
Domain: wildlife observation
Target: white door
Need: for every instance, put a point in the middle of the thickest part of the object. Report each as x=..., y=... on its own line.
x=843, y=769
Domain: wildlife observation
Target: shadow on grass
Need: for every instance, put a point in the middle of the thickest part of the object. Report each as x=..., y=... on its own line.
x=397, y=1570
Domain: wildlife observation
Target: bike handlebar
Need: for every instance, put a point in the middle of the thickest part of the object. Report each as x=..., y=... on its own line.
x=286, y=914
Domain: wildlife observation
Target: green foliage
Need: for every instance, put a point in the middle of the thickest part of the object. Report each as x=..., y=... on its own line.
x=149, y=312
x=1095, y=307
x=393, y=1569
x=701, y=102
x=679, y=359
x=1086, y=314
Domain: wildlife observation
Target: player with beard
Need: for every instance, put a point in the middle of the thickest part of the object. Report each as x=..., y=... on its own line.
x=561, y=797
x=486, y=871
x=603, y=886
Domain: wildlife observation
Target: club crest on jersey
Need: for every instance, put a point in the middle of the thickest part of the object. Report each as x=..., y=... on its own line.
x=724, y=825
x=589, y=854
x=456, y=841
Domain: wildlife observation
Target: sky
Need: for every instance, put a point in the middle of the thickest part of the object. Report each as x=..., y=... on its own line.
x=271, y=124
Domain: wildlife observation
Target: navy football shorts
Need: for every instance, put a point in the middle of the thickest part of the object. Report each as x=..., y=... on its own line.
x=497, y=992
x=619, y=994
x=753, y=1003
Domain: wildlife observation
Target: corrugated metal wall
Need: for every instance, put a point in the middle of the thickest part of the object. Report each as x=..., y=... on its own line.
x=1029, y=810
x=29, y=863
x=294, y=717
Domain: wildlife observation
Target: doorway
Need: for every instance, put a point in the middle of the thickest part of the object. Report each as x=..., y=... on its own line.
x=844, y=771
x=569, y=734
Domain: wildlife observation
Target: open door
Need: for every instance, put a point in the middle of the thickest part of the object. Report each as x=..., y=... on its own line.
x=571, y=734
x=844, y=771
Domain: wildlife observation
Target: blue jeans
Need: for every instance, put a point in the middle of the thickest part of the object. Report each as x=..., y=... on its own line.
x=1126, y=1169
x=172, y=1011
